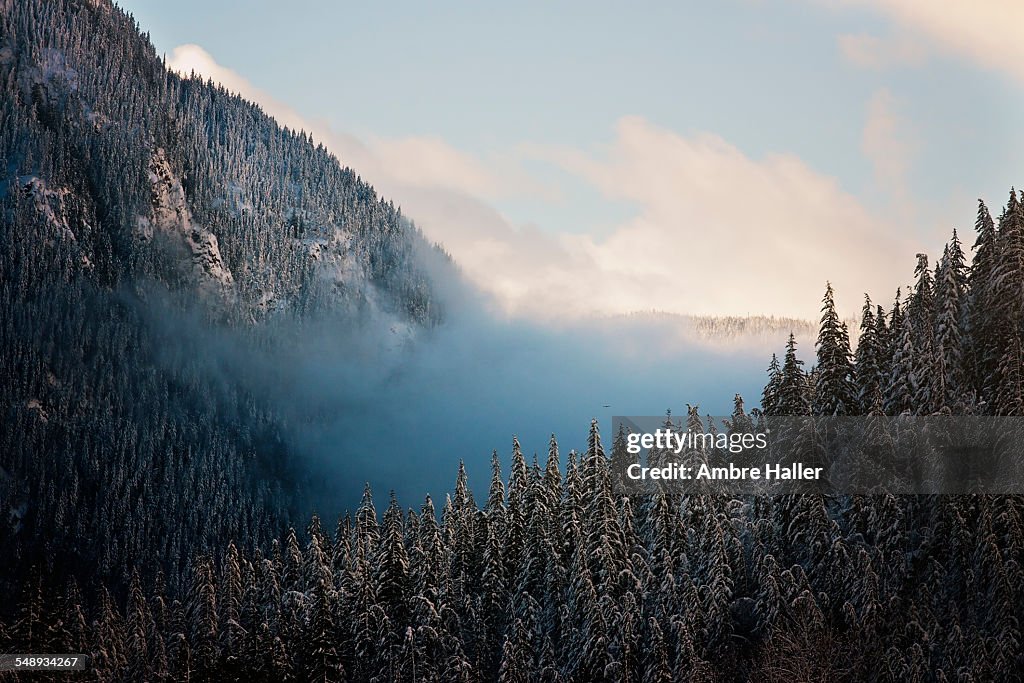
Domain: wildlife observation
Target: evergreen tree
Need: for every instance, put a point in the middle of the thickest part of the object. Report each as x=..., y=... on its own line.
x=834, y=390
x=739, y=422
x=770, y=395
x=902, y=387
x=868, y=367
x=202, y=617
x=793, y=389
x=921, y=313
x=981, y=315
x=620, y=461
x=950, y=289
x=391, y=567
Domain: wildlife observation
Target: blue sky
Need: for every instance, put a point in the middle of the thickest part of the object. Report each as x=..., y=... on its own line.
x=591, y=158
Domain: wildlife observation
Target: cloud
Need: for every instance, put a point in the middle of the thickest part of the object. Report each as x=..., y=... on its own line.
x=984, y=31
x=872, y=52
x=714, y=231
x=431, y=162
x=884, y=143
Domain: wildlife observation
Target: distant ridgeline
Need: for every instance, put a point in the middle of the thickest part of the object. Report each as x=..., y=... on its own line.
x=141, y=212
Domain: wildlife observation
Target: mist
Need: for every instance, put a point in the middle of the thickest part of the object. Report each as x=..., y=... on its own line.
x=469, y=387
x=371, y=399
x=400, y=416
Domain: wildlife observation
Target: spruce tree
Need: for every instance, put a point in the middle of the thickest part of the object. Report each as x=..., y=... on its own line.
x=883, y=340
x=739, y=422
x=1008, y=306
x=793, y=389
x=868, y=371
x=902, y=386
x=834, y=389
x=950, y=287
x=983, y=351
x=391, y=567
x=921, y=313
x=202, y=617
x=770, y=395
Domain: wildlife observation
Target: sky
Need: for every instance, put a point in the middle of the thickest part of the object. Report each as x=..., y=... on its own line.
x=582, y=159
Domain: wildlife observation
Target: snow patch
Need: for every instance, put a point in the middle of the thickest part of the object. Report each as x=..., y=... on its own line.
x=235, y=200
x=336, y=262
x=34, y=405
x=97, y=120
x=50, y=203
x=51, y=72
x=57, y=205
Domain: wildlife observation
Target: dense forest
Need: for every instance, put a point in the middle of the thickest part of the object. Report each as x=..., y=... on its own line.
x=555, y=577
x=162, y=239
x=147, y=503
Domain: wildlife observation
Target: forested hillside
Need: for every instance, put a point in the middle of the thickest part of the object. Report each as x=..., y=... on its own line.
x=153, y=226
x=148, y=493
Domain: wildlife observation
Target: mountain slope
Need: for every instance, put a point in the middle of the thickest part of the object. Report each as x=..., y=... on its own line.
x=163, y=237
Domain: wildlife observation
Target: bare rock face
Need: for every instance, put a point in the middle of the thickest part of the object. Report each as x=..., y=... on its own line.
x=170, y=218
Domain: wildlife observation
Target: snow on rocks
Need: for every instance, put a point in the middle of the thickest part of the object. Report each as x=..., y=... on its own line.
x=61, y=211
x=171, y=217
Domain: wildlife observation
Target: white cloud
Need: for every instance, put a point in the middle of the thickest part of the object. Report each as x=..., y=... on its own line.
x=716, y=232
x=872, y=52
x=985, y=31
x=431, y=162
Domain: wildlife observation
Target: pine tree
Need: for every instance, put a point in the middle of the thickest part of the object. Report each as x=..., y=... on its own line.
x=516, y=663
x=1009, y=398
x=1008, y=306
x=229, y=607
x=793, y=390
x=201, y=614
x=770, y=395
x=739, y=422
x=620, y=461
x=983, y=353
x=868, y=371
x=902, y=387
x=658, y=669
x=391, y=567
x=950, y=288
x=517, y=511
x=883, y=337
x=834, y=390
x=921, y=313
x=138, y=626
x=321, y=659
